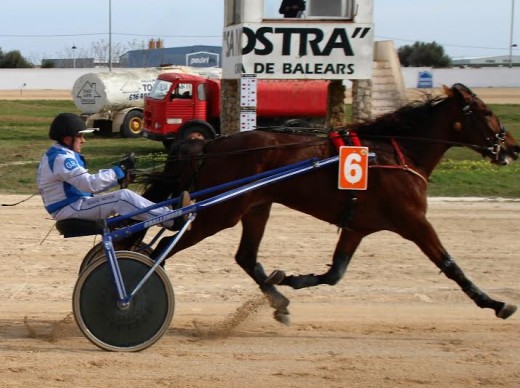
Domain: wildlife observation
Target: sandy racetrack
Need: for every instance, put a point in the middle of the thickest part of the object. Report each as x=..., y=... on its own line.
x=392, y=321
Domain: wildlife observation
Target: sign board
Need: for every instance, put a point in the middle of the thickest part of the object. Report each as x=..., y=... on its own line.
x=202, y=59
x=425, y=79
x=247, y=120
x=248, y=93
x=248, y=100
x=299, y=50
x=353, y=168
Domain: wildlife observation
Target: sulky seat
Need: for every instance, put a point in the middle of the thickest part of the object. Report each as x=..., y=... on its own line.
x=75, y=227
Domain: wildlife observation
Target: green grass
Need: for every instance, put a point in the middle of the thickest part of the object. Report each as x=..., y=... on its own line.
x=23, y=137
x=24, y=127
x=460, y=178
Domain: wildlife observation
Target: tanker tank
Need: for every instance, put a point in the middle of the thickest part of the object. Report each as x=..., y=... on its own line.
x=97, y=92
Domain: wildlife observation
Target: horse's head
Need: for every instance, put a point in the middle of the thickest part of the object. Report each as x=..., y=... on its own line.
x=481, y=127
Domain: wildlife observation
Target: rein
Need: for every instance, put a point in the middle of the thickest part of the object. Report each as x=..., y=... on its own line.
x=320, y=137
x=304, y=144
x=491, y=150
x=318, y=141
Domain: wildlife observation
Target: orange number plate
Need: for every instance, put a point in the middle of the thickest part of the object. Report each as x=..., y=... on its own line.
x=353, y=168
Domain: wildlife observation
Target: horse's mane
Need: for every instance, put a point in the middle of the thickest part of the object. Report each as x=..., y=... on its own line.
x=403, y=121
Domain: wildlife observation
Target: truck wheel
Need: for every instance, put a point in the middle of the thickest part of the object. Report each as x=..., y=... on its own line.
x=297, y=123
x=132, y=124
x=196, y=132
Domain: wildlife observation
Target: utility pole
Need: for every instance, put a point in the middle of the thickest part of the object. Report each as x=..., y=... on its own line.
x=110, y=35
x=511, y=44
x=74, y=56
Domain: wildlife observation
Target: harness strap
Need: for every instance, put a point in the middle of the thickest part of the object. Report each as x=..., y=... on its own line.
x=402, y=163
x=354, y=139
x=338, y=138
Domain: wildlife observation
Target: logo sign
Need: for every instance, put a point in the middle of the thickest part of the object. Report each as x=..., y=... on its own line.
x=353, y=168
x=88, y=93
x=202, y=59
x=70, y=164
x=425, y=79
x=299, y=50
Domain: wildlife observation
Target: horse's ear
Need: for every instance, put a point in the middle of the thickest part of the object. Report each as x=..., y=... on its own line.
x=447, y=91
x=462, y=88
x=462, y=91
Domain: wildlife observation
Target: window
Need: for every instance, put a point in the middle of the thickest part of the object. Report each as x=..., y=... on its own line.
x=343, y=9
x=184, y=91
x=201, y=92
x=160, y=89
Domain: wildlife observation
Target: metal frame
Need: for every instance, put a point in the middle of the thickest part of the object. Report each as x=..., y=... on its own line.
x=241, y=186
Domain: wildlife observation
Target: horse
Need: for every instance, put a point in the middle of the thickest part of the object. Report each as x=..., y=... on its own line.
x=408, y=144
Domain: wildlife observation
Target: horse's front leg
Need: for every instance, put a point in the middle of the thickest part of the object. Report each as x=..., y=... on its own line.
x=253, y=227
x=423, y=234
x=347, y=244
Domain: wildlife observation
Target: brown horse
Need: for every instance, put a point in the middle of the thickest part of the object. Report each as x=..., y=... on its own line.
x=408, y=145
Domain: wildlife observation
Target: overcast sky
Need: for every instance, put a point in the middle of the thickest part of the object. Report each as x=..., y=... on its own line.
x=49, y=28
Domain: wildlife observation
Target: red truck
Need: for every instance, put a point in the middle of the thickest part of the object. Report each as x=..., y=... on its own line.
x=182, y=106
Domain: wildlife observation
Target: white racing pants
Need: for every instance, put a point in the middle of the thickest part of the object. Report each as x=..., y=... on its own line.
x=102, y=206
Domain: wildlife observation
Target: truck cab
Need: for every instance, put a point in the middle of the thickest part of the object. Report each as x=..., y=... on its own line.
x=178, y=107
x=187, y=106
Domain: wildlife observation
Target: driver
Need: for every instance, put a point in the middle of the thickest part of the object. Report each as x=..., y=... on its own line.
x=67, y=187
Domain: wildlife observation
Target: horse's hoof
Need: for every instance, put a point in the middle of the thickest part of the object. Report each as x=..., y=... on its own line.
x=283, y=318
x=506, y=311
x=275, y=278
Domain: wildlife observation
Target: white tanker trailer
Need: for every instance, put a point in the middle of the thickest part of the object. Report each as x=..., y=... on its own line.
x=113, y=100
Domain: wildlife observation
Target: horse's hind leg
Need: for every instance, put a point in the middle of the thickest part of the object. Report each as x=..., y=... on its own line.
x=347, y=244
x=423, y=234
x=253, y=224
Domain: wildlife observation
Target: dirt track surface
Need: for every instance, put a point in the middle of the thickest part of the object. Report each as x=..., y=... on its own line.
x=393, y=321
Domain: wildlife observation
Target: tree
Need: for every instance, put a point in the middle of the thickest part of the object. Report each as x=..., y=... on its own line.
x=100, y=50
x=47, y=64
x=13, y=59
x=423, y=54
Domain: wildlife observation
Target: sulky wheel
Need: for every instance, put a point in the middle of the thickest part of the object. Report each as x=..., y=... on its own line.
x=97, y=252
x=127, y=328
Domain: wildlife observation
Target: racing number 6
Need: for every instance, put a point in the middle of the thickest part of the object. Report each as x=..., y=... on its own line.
x=353, y=168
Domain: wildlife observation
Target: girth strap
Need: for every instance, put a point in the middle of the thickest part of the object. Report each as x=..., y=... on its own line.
x=402, y=163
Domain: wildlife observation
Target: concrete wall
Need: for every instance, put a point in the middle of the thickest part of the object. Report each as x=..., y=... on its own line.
x=63, y=79
x=58, y=79
x=498, y=77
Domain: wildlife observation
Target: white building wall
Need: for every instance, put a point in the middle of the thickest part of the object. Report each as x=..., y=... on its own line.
x=63, y=79
x=37, y=79
x=486, y=77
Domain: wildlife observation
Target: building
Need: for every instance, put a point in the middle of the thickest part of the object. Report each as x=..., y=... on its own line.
x=194, y=56
x=83, y=63
x=497, y=61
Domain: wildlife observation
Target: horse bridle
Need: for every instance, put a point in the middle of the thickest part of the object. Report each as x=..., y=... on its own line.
x=495, y=145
